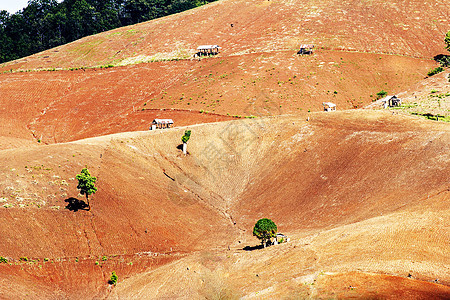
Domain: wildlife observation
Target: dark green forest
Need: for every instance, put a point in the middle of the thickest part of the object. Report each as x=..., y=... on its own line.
x=45, y=24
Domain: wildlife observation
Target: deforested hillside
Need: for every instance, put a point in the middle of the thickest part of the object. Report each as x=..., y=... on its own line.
x=343, y=186
x=138, y=70
x=362, y=194
x=407, y=27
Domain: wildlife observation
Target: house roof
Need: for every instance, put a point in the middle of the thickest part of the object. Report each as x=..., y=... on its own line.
x=208, y=47
x=329, y=104
x=387, y=98
x=162, y=121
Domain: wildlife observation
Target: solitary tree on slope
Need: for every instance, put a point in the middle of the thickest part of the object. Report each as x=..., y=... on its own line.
x=264, y=230
x=86, y=184
x=185, y=138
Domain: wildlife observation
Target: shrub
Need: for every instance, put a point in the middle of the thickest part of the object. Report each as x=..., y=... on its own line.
x=3, y=260
x=381, y=94
x=104, y=258
x=187, y=135
x=113, y=278
x=24, y=258
x=435, y=71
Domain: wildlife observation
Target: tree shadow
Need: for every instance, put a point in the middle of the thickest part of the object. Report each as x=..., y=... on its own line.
x=180, y=147
x=74, y=204
x=251, y=248
x=443, y=59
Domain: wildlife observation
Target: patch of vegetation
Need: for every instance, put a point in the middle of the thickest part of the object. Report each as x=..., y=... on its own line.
x=440, y=96
x=381, y=94
x=3, y=260
x=443, y=60
x=106, y=66
x=435, y=71
x=47, y=24
x=433, y=117
x=113, y=279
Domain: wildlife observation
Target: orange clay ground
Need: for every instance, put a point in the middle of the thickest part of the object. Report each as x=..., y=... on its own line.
x=362, y=194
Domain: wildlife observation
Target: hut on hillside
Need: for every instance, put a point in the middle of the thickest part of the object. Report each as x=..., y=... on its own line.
x=161, y=124
x=306, y=49
x=329, y=106
x=391, y=101
x=205, y=50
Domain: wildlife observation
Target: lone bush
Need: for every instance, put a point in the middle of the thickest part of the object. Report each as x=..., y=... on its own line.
x=381, y=94
x=187, y=135
x=113, y=279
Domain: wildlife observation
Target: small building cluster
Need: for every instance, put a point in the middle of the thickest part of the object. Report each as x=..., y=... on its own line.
x=206, y=50
x=329, y=106
x=391, y=101
x=161, y=124
x=306, y=49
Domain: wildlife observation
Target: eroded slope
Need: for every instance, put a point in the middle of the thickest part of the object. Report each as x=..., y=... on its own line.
x=363, y=191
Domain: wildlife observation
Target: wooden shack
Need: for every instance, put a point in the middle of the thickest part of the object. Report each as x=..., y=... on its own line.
x=161, y=124
x=206, y=50
x=306, y=49
x=329, y=106
x=391, y=101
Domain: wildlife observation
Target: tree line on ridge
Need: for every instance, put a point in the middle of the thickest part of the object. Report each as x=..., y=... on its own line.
x=45, y=24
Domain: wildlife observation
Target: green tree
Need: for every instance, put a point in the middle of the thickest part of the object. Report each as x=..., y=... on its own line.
x=264, y=230
x=185, y=138
x=86, y=184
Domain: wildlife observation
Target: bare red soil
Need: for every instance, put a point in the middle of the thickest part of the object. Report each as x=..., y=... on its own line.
x=153, y=199
x=68, y=105
x=408, y=27
x=359, y=52
x=362, y=194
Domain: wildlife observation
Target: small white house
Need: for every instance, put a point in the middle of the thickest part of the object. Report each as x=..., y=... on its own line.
x=161, y=124
x=329, y=106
